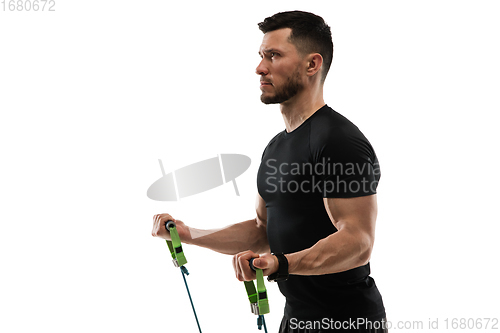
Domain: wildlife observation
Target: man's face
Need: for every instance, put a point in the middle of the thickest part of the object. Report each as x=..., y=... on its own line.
x=280, y=68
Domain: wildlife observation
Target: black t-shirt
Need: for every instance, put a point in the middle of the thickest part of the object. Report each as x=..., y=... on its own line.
x=325, y=157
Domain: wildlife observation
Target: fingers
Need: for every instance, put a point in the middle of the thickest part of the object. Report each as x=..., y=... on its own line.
x=267, y=262
x=159, y=229
x=241, y=265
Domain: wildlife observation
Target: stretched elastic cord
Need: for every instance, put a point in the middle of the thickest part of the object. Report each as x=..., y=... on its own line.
x=179, y=260
x=261, y=321
x=185, y=272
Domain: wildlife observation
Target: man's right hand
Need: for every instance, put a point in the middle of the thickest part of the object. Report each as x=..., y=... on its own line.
x=159, y=229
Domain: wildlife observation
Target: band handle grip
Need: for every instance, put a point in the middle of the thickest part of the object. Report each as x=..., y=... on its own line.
x=252, y=266
x=169, y=224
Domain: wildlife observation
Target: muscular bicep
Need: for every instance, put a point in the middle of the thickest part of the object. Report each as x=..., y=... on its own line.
x=354, y=215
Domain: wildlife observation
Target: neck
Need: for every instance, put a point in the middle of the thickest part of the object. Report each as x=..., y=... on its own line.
x=300, y=107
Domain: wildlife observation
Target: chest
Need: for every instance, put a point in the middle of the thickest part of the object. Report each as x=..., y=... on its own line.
x=288, y=173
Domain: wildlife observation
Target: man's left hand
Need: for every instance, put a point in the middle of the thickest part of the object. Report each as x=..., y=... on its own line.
x=241, y=264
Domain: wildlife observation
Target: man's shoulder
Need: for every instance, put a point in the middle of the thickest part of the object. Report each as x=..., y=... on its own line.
x=328, y=125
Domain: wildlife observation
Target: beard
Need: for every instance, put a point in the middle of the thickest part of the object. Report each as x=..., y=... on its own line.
x=291, y=87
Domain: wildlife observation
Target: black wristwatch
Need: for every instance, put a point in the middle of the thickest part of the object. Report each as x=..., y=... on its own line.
x=282, y=273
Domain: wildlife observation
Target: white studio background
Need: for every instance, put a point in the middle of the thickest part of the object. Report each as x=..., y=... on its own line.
x=93, y=94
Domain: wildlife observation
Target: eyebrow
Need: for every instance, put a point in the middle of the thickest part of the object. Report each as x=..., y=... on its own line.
x=269, y=51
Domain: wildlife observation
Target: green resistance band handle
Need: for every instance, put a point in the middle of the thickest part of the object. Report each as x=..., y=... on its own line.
x=175, y=245
x=257, y=296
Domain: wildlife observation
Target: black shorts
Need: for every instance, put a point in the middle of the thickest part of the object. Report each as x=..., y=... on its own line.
x=326, y=325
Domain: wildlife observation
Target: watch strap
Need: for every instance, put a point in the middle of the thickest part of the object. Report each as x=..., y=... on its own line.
x=282, y=273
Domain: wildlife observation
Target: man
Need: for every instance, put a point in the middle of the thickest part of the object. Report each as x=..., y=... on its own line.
x=316, y=207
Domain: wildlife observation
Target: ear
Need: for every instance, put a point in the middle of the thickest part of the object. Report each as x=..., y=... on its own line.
x=315, y=61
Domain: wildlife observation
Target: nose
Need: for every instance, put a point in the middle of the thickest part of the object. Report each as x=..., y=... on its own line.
x=261, y=69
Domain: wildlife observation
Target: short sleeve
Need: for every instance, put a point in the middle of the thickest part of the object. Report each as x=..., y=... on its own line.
x=346, y=163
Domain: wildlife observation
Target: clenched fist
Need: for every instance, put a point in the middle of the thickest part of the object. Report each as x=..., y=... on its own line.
x=159, y=229
x=241, y=264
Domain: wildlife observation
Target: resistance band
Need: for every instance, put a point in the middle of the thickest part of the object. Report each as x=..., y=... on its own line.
x=259, y=303
x=179, y=259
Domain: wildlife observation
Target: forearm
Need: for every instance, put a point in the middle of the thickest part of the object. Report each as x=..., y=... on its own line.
x=235, y=238
x=338, y=252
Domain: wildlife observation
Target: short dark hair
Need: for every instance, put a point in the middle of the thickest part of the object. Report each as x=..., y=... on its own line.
x=310, y=33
